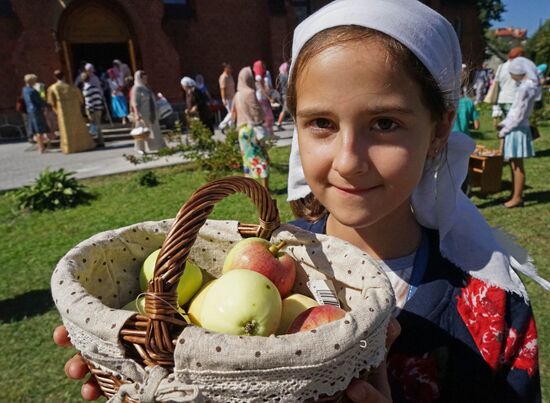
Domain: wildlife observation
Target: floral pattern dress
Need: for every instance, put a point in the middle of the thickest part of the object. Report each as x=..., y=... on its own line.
x=255, y=161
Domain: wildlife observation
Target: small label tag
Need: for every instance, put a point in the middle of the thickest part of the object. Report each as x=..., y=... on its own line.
x=324, y=292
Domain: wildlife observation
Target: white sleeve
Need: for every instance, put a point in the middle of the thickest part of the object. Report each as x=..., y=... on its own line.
x=517, y=111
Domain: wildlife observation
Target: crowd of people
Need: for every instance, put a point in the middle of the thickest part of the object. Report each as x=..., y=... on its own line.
x=116, y=94
x=374, y=89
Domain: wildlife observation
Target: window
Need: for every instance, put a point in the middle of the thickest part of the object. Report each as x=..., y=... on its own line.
x=5, y=9
x=178, y=9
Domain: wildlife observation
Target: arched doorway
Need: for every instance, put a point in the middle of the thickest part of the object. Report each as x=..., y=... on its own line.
x=95, y=31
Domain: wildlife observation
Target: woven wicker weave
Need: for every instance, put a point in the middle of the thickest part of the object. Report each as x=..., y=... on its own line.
x=151, y=337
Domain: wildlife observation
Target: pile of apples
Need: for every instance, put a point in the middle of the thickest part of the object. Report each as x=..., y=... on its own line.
x=253, y=296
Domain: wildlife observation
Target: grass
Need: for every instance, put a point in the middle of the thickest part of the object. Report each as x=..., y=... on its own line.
x=32, y=243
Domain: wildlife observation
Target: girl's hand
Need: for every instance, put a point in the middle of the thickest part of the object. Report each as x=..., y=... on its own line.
x=376, y=388
x=76, y=368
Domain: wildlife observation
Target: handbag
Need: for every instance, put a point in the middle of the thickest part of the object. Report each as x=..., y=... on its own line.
x=492, y=94
x=261, y=133
x=140, y=132
x=535, y=134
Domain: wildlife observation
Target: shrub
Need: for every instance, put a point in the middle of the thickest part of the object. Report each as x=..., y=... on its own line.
x=148, y=179
x=52, y=190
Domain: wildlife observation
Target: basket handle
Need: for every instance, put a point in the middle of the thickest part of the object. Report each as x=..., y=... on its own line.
x=161, y=291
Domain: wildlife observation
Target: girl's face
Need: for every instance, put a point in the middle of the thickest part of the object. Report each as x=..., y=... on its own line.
x=364, y=133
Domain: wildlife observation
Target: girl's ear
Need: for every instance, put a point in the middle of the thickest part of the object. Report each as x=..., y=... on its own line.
x=441, y=133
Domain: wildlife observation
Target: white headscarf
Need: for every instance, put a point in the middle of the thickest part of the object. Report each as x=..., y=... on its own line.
x=438, y=202
x=188, y=82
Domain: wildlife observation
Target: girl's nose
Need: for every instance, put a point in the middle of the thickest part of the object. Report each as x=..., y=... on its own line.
x=350, y=153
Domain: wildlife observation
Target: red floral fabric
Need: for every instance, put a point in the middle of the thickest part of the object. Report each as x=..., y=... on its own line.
x=483, y=309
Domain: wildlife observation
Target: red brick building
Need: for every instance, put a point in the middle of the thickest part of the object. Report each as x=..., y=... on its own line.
x=167, y=38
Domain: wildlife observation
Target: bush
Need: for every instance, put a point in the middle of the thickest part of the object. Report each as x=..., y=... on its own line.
x=52, y=190
x=218, y=158
x=148, y=179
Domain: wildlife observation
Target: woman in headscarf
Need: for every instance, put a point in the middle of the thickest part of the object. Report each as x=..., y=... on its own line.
x=248, y=114
x=262, y=94
x=144, y=110
x=518, y=141
x=35, y=111
x=118, y=100
x=196, y=103
x=201, y=86
x=283, y=87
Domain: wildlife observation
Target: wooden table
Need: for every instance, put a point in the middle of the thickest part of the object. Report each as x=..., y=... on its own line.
x=485, y=172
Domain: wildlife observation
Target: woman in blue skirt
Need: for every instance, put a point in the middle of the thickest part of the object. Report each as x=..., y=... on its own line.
x=518, y=142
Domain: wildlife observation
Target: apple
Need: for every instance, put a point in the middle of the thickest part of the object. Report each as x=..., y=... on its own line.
x=136, y=305
x=195, y=306
x=190, y=280
x=139, y=307
x=242, y=302
x=315, y=317
x=293, y=305
x=259, y=255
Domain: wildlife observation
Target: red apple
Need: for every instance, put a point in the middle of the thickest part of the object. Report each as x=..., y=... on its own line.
x=315, y=317
x=259, y=255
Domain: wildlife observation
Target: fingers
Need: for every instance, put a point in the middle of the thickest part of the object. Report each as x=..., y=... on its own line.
x=394, y=330
x=360, y=391
x=76, y=367
x=61, y=337
x=90, y=390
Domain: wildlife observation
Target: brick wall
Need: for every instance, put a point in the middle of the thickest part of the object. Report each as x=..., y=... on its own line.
x=236, y=31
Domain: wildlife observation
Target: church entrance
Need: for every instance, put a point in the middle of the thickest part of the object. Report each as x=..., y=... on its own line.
x=97, y=32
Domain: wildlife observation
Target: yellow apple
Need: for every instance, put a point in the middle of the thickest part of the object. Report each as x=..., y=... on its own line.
x=190, y=280
x=293, y=305
x=195, y=305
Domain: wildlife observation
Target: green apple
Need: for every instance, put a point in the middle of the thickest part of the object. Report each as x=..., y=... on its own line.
x=136, y=305
x=190, y=280
x=195, y=306
x=293, y=305
x=242, y=302
x=139, y=306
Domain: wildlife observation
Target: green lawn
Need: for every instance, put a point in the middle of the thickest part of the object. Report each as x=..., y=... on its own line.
x=32, y=366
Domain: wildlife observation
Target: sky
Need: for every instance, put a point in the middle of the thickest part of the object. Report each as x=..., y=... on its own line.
x=524, y=14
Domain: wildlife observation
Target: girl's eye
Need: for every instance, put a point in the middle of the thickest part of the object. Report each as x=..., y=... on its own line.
x=385, y=125
x=321, y=123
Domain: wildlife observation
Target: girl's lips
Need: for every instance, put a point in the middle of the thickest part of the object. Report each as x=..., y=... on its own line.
x=354, y=191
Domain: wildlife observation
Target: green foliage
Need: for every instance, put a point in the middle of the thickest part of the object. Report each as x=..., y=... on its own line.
x=542, y=116
x=490, y=10
x=52, y=190
x=499, y=45
x=217, y=158
x=148, y=179
x=538, y=46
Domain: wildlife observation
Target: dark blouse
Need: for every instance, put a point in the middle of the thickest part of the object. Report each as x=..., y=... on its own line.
x=462, y=340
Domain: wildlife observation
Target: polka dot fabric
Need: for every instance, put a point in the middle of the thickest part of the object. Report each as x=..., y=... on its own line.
x=101, y=274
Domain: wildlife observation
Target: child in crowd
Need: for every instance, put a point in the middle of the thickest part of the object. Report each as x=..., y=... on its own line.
x=373, y=89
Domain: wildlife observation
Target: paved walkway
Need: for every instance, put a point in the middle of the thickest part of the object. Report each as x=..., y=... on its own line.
x=20, y=163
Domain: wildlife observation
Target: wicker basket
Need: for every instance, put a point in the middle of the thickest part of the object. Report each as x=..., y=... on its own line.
x=151, y=340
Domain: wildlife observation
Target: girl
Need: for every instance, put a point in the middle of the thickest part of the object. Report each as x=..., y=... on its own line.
x=118, y=100
x=373, y=87
x=518, y=143
x=248, y=114
x=373, y=90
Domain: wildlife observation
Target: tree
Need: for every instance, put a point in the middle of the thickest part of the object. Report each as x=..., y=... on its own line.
x=490, y=10
x=538, y=46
